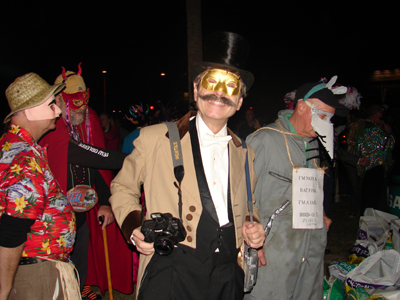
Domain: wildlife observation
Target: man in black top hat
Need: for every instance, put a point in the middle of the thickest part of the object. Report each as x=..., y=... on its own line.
x=203, y=264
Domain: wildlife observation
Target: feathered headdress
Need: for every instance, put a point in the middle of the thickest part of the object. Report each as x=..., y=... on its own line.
x=138, y=112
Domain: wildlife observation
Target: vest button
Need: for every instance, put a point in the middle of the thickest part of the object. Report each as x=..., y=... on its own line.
x=192, y=208
x=189, y=217
x=189, y=228
x=189, y=239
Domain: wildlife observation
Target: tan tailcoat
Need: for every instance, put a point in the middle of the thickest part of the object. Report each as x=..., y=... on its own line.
x=150, y=164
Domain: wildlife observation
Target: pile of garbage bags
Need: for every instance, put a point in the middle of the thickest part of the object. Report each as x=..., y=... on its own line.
x=372, y=269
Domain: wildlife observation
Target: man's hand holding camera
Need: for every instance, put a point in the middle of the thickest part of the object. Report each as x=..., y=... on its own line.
x=137, y=239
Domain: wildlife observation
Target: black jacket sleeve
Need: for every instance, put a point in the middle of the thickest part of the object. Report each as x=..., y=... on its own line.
x=102, y=189
x=94, y=157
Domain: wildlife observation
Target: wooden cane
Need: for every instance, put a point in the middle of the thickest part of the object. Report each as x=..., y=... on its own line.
x=110, y=290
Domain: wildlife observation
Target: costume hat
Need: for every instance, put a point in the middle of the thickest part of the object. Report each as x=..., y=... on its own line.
x=324, y=92
x=28, y=91
x=228, y=51
x=76, y=94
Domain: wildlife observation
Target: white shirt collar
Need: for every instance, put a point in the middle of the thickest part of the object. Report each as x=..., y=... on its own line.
x=202, y=128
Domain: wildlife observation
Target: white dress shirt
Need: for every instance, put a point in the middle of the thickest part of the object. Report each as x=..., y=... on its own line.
x=215, y=160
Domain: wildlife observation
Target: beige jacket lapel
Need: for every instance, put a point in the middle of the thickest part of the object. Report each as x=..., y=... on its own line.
x=237, y=158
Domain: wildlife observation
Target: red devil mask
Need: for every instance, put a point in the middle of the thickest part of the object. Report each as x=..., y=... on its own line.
x=75, y=94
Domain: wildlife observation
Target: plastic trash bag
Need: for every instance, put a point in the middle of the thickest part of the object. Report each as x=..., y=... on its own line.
x=395, y=225
x=333, y=289
x=373, y=236
x=357, y=294
x=379, y=272
x=340, y=269
x=371, y=212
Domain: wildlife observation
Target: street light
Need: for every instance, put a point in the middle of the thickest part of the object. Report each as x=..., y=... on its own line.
x=104, y=77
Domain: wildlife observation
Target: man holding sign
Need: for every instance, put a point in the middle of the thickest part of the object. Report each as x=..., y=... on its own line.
x=287, y=167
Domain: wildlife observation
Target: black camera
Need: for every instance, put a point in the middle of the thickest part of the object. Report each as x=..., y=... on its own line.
x=165, y=231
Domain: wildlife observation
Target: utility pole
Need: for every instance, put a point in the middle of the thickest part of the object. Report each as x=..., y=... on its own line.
x=194, y=40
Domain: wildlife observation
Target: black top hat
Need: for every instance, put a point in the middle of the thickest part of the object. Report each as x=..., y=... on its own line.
x=225, y=50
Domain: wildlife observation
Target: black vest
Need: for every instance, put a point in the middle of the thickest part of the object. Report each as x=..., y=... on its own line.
x=209, y=234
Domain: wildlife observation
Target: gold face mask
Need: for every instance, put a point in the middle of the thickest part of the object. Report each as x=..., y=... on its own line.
x=217, y=80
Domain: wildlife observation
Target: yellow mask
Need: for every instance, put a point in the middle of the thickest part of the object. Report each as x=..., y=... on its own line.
x=217, y=80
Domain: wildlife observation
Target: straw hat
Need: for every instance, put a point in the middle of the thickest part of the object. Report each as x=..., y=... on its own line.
x=28, y=91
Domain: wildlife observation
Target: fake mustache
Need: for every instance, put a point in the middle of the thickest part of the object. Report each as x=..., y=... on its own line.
x=214, y=97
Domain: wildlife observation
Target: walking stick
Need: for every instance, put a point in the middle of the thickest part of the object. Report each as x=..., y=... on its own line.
x=110, y=290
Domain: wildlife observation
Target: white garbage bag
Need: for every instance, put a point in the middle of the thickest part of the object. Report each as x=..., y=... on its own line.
x=378, y=272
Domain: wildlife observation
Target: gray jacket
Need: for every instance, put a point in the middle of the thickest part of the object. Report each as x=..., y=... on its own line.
x=294, y=256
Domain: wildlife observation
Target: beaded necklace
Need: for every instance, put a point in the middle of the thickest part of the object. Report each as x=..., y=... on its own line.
x=74, y=133
x=74, y=175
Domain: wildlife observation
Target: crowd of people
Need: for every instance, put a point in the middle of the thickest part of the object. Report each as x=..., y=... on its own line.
x=178, y=201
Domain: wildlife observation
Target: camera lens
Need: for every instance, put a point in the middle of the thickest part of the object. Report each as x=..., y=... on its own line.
x=163, y=245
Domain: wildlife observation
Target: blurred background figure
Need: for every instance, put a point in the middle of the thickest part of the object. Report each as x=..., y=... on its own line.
x=111, y=133
x=141, y=116
x=376, y=143
x=250, y=125
x=123, y=132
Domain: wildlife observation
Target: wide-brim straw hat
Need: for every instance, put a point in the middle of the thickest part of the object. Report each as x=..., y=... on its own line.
x=28, y=91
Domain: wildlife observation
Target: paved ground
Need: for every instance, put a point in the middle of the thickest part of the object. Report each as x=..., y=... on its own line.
x=343, y=232
x=116, y=295
x=341, y=237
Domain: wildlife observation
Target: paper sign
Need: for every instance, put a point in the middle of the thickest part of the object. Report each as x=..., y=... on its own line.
x=307, y=198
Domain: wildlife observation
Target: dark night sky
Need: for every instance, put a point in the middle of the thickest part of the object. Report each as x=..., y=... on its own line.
x=292, y=42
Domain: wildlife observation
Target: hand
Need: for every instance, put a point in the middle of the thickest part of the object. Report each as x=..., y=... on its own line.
x=143, y=247
x=261, y=257
x=363, y=162
x=386, y=127
x=327, y=222
x=253, y=234
x=107, y=214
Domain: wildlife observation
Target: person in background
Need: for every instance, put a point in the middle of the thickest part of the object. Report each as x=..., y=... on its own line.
x=348, y=154
x=78, y=172
x=111, y=133
x=251, y=124
x=123, y=133
x=376, y=143
x=140, y=118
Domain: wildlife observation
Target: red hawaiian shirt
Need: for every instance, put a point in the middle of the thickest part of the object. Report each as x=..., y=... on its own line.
x=29, y=190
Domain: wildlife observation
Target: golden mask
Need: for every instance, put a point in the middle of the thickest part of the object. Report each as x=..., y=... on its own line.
x=217, y=80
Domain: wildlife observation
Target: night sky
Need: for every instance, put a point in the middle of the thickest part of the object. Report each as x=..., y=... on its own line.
x=292, y=42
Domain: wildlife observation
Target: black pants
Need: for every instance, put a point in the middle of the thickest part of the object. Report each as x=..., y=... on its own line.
x=373, y=189
x=180, y=275
x=79, y=255
x=356, y=189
